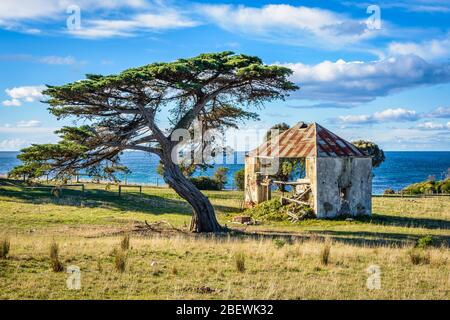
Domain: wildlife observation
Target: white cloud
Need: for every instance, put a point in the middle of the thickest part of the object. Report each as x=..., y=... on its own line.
x=387, y=115
x=56, y=60
x=12, y=144
x=19, y=95
x=13, y=10
x=291, y=24
x=29, y=124
x=358, y=81
x=430, y=50
x=440, y=112
x=162, y=20
x=433, y=126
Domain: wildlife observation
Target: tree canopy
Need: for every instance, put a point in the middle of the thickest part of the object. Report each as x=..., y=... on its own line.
x=371, y=149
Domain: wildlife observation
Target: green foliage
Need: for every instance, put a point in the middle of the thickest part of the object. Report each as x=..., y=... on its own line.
x=428, y=187
x=205, y=183
x=4, y=248
x=424, y=242
x=239, y=179
x=220, y=176
x=279, y=243
x=271, y=210
x=281, y=127
x=371, y=149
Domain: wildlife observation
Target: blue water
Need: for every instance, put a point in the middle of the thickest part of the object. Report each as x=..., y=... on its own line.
x=399, y=170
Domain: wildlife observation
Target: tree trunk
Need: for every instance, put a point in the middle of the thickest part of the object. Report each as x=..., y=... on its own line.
x=203, y=218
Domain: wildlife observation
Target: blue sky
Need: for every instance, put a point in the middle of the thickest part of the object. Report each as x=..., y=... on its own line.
x=387, y=79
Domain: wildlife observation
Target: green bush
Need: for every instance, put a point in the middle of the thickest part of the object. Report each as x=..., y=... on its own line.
x=444, y=186
x=220, y=176
x=424, y=242
x=205, y=183
x=271, y=210
x=425, y=187
x=239, y=179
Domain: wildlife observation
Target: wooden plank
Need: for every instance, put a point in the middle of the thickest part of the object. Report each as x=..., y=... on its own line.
x=293, y=200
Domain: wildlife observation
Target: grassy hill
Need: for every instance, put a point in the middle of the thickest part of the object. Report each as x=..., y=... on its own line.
x=272, y=260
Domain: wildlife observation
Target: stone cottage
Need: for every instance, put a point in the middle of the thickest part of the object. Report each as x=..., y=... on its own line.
x=338, y=176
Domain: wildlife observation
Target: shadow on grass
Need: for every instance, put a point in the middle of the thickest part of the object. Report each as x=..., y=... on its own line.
x=129, y=201
x=143, y=203
x=409, y=222
x=363, y=238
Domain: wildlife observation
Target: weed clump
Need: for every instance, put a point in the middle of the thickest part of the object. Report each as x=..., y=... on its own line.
x=4, y=248
x=55, y=263
x=419, y=257
x=120, y=260
x=279, y=243
x=125, y=242
x=239, y=260
x=325, y=253
x=424, y=242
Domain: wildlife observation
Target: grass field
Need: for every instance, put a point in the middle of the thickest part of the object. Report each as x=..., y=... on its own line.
x=276, y=260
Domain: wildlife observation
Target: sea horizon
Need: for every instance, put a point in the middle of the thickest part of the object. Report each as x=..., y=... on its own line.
x=400, y=169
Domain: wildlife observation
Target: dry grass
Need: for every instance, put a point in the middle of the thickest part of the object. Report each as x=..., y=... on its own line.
x=290, y=272
x=192, y=267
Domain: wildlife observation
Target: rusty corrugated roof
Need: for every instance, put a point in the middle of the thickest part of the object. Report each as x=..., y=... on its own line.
x=303, y=141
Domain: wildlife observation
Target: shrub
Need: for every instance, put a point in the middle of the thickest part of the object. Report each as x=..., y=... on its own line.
x=279, y=243
x=205, y=183
x=424, y=242
x=425, y=187
x=239, y=260
x=389, y=191
x=4, y=248
x=444, y=186
x=120, y=260
x=419, y=257
x=125, y=242
x=271, y=210
x=239, y=179
x=325, y=253
x=55, y=263
x=220, y=176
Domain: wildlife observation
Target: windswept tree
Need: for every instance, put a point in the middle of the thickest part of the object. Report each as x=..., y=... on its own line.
x=121, y=113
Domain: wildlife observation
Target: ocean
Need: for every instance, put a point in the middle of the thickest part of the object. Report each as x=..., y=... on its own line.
x=399, y=170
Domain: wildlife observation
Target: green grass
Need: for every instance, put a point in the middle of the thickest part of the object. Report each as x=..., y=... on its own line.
x=90, y=227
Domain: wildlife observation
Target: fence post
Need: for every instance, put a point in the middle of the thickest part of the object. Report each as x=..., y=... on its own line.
x=120, y=190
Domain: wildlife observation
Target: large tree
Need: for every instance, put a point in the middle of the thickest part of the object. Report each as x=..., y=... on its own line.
x=371, y=149
x=120, y=112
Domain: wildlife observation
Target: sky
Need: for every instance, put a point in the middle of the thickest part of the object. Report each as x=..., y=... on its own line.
x=378, y=70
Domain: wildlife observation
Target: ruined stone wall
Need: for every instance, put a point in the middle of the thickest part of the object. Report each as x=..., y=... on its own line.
x=343, y=186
